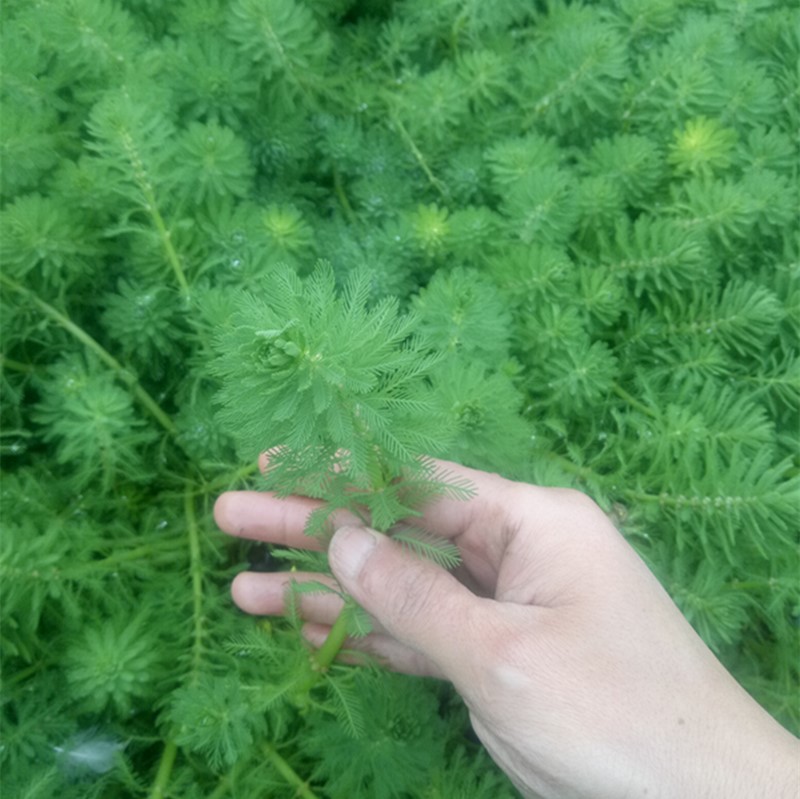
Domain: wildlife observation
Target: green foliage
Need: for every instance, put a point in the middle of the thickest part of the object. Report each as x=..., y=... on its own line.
x=40, y=235
x=215, y=718
x=397, y=743
x=429, y=546
x=346, y=376
x=553, y=240
x=280, y=36
x=94, y=425
x=112, y=662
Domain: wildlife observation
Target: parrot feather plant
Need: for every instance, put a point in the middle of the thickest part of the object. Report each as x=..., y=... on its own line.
x=554, y=240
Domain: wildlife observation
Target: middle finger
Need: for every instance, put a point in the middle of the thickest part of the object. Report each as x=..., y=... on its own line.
x=265, y=594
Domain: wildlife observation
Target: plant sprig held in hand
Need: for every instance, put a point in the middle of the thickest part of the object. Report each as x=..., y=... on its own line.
x=337, y=391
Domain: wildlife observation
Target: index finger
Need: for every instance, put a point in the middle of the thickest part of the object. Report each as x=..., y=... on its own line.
x=263, y=516
x=480, y=525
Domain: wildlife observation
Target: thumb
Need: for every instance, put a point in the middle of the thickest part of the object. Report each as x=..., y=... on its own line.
x=417, y=602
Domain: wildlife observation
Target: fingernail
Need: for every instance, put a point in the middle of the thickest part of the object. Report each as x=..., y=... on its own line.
x=349, y=550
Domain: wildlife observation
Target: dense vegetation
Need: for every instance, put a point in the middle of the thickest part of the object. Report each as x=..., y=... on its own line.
x=556, y=240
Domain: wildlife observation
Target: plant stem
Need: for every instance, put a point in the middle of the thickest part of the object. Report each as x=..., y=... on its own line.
x=583, y=472
x=755, y=585
x=340, y=193
x=322, y=658
x=145, y=551
x=327, y=653
x=288, y=773
x=633, y=402
x=158, y=791
x=22, y=675
x=7, y=363
x=227, y=480
x=122, y=373
x=434, y=181
x=166, y=239
x=196, y=571
x=146, y=187
x=227, y=782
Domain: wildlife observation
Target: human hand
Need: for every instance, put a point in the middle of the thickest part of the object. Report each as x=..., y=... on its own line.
x=581, y=676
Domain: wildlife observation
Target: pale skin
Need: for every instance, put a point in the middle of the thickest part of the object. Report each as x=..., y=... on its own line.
x=581, y=676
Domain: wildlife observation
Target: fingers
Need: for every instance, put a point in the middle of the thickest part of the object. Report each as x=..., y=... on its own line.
x=480, y=526
x=420, y=605
x=263, y=516
x=265, y=595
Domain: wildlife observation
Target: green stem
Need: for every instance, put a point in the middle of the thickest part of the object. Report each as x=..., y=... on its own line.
x=78, y=572
x=146, y=187
x=343, y=201
x=754, y=585
x=434, y=181
x=165, y=547
x=23, y=674
x=583, y=472
x=327, y=653
x=166, y=239
x=158, y=791
x=288, y=773
x=17, y=366
x=226, y=783
x=122, y=373
x=633, y=402
x=196, y=570
x=229, y=479
x=322, y=658
x=643, y=496
x=455, y=32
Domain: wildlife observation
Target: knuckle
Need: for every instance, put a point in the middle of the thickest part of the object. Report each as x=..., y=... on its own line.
x=578, y=499
x=412, y=593
x=507, y=666
x=510, y=493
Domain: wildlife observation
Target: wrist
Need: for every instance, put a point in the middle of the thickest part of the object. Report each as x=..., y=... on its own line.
x=744, y=755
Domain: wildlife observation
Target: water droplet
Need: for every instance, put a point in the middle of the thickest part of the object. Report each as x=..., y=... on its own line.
x=162, y=524
x=89, y=752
